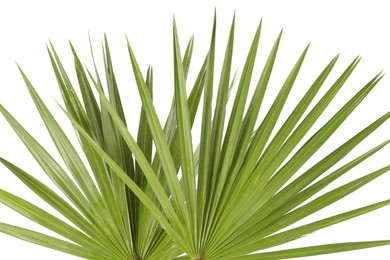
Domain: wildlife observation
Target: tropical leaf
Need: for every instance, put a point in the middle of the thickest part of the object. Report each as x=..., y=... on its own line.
x=159, y=195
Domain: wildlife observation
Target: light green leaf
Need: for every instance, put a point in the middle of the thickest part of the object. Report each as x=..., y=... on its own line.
x=298, y=232
x=159, y=140
x=48, y=164
x=51, y=242
x=54, y=200
x=314, y=250
x=45, y=219
x=184, y=132
x=146, y=169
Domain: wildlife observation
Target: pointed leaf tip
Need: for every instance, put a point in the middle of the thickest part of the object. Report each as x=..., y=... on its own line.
x=173, y=19
x=281, y=33
x=307, y=47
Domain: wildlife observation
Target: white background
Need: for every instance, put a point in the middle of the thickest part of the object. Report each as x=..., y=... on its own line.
x=348, y=27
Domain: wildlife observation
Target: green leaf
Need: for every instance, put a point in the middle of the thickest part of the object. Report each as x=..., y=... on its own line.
x=315, y=250
x=248, y=123
x=269, y=122
x=184, y=132
x=156, y=198
x=144, y=138
x=220, y=107
x=76, y=166
x=69, y=96
x=74, y=107
x=159, y=140
x=91, y=106
x=303, y=154
x=205, y=137
x=291, y=196
x=232, y=131
x=64, y=208
x=45, y=219
x=111, y=81
x=51, y=168
x=250, y=119
x=146, y=169
x=170, y=125
x=50, y=242
x=116, y=146
x=298, y=232
x=64, y=147
x=187, y=56
x=259, y=142
x=141, y=217
x=323, y=201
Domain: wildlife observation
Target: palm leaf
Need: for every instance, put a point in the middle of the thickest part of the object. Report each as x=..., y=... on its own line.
x=315, y=250
x=50, y=242
x=161, y=196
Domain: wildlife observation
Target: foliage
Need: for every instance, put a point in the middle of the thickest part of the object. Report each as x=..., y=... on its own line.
x=230, y=197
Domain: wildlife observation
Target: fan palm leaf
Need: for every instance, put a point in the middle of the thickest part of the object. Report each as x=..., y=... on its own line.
x=158, y=195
